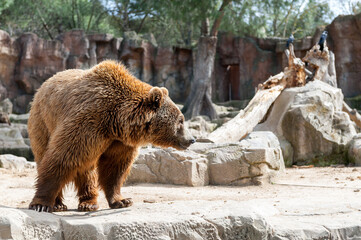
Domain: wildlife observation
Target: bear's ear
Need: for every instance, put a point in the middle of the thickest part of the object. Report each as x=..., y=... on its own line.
x=165, y=91
x=156, y=97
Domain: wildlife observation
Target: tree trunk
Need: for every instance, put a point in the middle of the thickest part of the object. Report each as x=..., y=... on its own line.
x=199, y=102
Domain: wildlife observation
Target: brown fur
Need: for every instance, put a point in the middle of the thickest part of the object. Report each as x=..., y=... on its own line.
x=86, y=126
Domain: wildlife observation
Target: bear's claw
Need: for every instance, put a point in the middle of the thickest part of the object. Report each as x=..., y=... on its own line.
x=87, y=206
x=40, y=208
x=60, y=208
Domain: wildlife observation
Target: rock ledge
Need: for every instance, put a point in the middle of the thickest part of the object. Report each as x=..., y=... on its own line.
x=186, y=220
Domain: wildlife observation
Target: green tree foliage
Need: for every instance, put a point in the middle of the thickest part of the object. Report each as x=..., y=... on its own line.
x=47, y=18
x=304, y=23
x=127, y=15
x=172, y=22
x=4, y=4
x=276, y=18
x=245, y=19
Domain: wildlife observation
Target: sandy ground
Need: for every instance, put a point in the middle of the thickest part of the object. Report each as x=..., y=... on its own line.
x=329, y=184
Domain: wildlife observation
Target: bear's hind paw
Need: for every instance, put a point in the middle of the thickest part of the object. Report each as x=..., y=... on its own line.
x=60, y=208
x=123, y=203
x=87, y=206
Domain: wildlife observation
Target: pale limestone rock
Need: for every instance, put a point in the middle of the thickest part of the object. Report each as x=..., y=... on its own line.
x=170, y=166
x=310, y=118
x=20, y=224
x=6, y=106
x=254, y=160
x=213, y=220
x=227, y=165
x=199, y=127
x=9, y=161
x=287, y=152
x=354, y=151
x=21, y=126
x=12, y=142
x=19, y=118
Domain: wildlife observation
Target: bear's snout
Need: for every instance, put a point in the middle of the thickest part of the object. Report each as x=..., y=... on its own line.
x=186, y=140
x=185, y=143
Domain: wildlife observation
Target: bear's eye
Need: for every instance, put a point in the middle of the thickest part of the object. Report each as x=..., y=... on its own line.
x=181, y=121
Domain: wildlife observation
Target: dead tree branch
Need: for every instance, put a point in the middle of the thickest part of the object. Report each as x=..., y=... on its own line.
x=244, y=123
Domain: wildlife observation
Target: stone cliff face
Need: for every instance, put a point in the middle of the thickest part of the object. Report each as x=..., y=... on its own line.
x=241, y=63
x=345, y=42
x=27, y=61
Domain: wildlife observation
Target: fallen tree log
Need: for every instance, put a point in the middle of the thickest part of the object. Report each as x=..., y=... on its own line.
x=244, y=123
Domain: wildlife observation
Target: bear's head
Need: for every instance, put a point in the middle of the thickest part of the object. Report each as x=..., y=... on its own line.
x=166, y=127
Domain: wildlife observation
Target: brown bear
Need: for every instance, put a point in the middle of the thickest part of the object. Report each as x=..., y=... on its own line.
x=86, y=127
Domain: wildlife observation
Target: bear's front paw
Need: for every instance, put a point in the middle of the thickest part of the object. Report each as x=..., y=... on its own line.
x=40, y=207
x=123, y=203
x=87, y=206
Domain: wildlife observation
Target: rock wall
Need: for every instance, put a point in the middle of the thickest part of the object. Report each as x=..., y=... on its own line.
x=27, y=61
x=241, y=63
x=345, y=42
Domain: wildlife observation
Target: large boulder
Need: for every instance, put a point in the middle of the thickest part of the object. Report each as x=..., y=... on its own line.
x=254, y=160
x=15, y=163
x=171, y=167
x=311, y=119
x=12, y=142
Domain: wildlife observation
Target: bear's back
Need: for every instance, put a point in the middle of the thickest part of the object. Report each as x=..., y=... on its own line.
x=75, y=92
